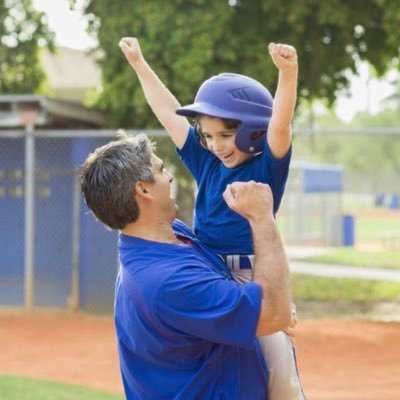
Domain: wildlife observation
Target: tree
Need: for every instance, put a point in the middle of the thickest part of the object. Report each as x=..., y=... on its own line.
x=180, y=42
x=380, y=152
x=22, y=31
x=186, y=41
x=364, y=153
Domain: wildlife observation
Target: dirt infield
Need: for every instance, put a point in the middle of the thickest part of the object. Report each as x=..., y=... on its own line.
x=378, y=214
x=339, y=360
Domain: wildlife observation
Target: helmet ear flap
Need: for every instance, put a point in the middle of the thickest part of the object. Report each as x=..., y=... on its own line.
x=256, y=134
x=252, y=139
x=199, y=135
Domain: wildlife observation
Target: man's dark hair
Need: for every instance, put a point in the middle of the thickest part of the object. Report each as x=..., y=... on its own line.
x=109, y=175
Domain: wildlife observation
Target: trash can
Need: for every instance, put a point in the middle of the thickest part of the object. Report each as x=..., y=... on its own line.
x=348, y=230
x=394, y=203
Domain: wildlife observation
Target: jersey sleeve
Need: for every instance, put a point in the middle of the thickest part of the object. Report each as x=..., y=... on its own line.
x=194, y=155
x=201, y=303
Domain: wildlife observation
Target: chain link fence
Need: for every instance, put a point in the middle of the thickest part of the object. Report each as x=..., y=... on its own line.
x=55, y=254
x=311, y=209
x=360, y=209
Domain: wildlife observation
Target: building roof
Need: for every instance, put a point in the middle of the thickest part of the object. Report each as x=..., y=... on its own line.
x=47, y=113
x=68, y=68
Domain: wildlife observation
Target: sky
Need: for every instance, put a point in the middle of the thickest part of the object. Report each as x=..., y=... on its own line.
x=69, y=27
x=365, y=94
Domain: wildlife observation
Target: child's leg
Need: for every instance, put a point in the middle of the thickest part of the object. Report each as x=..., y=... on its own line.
x=279, y=355
x=277, y=349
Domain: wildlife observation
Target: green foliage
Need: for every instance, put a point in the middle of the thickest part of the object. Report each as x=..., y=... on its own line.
x=22, y=30
x=186, y=41
x=17, y=388
x=176, y=40
x=383, y=149
x=360, y=153
x=306, y=287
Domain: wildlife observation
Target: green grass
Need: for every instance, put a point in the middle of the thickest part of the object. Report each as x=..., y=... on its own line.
x=18, y=388
x=374, y=228
x=307, y=287
x=358, y=258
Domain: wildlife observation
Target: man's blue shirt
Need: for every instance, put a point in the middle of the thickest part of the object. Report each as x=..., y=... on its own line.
x=214, y=222
x=185, y=330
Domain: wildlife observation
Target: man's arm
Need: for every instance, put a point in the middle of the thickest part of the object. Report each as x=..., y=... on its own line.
x=160, y=99
x=253, y=201
x=279, y=130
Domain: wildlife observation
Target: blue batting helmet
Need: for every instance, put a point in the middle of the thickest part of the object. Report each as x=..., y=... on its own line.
x=236, y=97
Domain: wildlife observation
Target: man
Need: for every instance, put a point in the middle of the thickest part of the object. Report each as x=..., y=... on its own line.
x=185, y=329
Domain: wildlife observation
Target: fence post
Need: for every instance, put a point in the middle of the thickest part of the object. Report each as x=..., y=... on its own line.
x=29, y=119
x=76, y=229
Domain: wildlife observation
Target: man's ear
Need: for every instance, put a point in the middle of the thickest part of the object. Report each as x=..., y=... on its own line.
x=142, y=190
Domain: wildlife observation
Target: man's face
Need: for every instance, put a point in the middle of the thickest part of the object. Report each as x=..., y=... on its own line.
x=161, y=188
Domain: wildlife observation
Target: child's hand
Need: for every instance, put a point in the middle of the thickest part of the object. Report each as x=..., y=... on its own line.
x=130, y=47
x=283, y=56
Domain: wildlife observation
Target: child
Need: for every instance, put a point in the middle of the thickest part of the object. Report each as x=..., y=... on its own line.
x=238, y=136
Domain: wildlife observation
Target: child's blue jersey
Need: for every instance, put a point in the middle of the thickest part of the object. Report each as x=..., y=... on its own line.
x=214, y=223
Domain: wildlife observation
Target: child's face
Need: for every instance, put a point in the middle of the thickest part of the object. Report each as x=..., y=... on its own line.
x=221, y=141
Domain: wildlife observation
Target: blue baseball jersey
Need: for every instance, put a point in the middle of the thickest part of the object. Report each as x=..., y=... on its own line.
x=214, y=223
x=185, y=330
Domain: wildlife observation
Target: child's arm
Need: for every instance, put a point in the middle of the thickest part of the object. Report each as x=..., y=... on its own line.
x=279, y=130
x=160, y=99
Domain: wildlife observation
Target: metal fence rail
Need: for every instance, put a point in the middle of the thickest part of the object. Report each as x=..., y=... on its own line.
x=54, y=252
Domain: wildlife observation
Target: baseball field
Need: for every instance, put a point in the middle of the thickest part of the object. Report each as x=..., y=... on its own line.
x=338, y=359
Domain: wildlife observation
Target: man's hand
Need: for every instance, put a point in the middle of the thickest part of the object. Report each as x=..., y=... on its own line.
x=251, y=200
x=131, y=48
x=283, y=56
